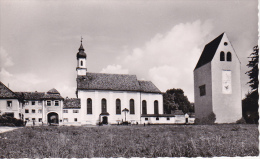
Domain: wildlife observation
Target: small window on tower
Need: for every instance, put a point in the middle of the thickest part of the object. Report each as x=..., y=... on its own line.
x=81, y=63
x=225, y=43
x=222, y=56
x=202, y=90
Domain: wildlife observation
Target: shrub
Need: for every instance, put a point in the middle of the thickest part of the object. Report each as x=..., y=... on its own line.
x=210, y=119
x=241, y=121
x=11, y=121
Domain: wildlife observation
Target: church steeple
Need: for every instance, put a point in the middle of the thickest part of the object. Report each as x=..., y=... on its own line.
x=81, y=60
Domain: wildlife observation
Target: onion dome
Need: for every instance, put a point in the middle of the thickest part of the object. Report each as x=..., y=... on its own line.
x=81, y=53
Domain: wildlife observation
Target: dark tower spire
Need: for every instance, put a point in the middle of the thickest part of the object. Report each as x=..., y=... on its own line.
x=81, y=46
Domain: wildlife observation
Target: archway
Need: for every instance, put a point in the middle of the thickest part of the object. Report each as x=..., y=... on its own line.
x=53, y=118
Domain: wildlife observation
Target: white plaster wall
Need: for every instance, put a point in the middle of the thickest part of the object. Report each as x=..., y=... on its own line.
x=150, y=98
x=227, y=107
x=14, y=109
x=52, y=108
x=111, y=97
x=70, y=115
x=203, y=104
x=31, y=115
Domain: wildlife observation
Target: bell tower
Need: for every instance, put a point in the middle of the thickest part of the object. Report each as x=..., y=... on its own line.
x=81, y=60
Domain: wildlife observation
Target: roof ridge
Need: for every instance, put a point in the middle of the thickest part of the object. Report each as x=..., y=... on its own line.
x=109, y=74
x=8, y=88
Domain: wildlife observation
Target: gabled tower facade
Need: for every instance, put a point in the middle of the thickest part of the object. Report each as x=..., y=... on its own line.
x=81, y=61
x=217, y=84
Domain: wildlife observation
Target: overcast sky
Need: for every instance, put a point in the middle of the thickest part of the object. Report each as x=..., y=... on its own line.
x=159, y=41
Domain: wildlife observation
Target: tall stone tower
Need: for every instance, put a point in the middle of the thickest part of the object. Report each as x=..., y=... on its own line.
x=81, y=61
x=217, y=85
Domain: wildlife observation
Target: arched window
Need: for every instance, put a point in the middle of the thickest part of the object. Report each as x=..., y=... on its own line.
x=229, y=56
x=81, y=63
x=104, y=105
x=118, y=106
x=156, y=109
x=144, y=108
x=89, y=106
x=132, y=106
x=222, y=56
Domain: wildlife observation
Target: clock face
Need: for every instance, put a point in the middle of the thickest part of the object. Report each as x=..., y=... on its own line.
x=226, y=82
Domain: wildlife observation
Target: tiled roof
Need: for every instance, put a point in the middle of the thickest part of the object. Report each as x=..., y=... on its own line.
x=71, y=103
x=116, y=82
x=30, y=95
x=209, y=51
x=53, y=91
x=149, y=87
x=52, y=96
x=6, y=93
x=102, y=81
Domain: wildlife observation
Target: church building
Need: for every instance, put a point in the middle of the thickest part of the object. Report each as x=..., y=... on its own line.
x=217, y=85
x=104, y=96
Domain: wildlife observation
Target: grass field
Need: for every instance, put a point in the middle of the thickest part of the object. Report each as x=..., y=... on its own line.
x=131, y=141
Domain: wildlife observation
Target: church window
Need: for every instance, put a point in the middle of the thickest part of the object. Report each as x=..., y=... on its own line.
x=33, y=119
x=65, y=111
x=40, y=119
x=9, y=104
x=39, y=111
x=146, y=119
x=225, y=43
x=75, y=111
x=118, y=106
x=89, y=106
x=156, y=109
x=157, y=118
x=26, y=110
x=222, y=56
x=65, y=120
x=229, y=56
x=33, y=110
x=132, y=106
x=27, y=119
x=33, y=102
x=202, y=90
x=81, y=63
x=104, y=105
x=168, y=118
x=75, y=119
x=144, y=108
x=26, y=103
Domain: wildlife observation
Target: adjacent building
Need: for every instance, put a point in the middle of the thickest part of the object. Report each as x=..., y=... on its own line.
x=217, y=86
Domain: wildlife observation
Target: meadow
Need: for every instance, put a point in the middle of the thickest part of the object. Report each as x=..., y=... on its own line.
x=131, y=141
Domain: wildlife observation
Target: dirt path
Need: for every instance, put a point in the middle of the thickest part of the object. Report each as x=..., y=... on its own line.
x=6, y=128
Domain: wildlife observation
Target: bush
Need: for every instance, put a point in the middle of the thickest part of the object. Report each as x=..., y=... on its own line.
x=241, y=121
x=210, y=119
x=10, y=121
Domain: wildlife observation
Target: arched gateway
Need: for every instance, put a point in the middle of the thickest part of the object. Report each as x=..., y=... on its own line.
x=53, y=118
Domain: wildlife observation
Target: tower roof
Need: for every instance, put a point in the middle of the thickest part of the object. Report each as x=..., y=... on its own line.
x=53, y=91
x=81, y=53
x=209, y=51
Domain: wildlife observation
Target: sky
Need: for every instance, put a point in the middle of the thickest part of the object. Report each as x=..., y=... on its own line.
x=159, y=41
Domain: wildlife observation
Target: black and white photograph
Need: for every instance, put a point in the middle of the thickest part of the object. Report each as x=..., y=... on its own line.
x=129, y=78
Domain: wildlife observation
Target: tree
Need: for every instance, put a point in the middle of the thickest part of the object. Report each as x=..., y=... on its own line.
x=175, y=99
x=250, y=103
x=253, y=73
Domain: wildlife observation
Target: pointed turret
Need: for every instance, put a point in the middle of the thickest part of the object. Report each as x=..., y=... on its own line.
x=81, y=60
